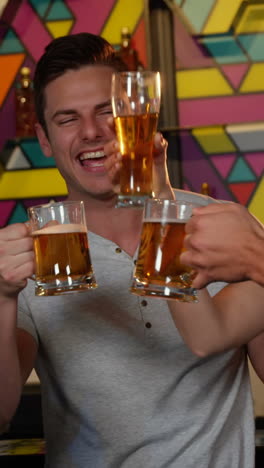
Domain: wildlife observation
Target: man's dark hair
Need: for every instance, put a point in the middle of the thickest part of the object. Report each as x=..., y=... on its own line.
x=70, y=53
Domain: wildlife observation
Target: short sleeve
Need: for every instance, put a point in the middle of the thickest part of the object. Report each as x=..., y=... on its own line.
x=24, y=316
x=214, y=288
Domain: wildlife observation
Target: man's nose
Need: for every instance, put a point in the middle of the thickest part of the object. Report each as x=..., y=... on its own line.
x=89, y=128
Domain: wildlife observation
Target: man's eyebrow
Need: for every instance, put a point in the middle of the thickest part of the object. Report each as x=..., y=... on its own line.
x=63, y=112
x=103, y=104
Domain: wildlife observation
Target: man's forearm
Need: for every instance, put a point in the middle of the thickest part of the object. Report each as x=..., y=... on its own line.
x=228, y=320
x=255, y=261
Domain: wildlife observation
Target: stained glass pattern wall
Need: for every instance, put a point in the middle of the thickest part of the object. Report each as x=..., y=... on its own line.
x=220, y=69
x=26, y=176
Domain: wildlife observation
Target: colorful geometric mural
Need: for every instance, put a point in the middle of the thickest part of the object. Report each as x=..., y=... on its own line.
x=219, y=83
x=220, y=88
x=27, y=177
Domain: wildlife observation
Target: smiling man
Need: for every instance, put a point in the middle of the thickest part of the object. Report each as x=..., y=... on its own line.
x=120, y=387
x=76, y=113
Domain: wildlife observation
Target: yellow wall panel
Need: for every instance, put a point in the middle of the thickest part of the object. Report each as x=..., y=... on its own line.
x=256, y=204
x=201, y=83
x=252, y=20
x=59, y=28
x=254, y=80
x=222, y=16
x=125, y=13
x=213, y=140
x=31, y=183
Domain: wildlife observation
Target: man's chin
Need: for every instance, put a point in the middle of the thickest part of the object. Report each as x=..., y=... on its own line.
x=105, y=196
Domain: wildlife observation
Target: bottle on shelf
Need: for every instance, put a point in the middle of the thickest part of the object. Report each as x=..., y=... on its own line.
x=24, y=108
x=127, y=53
x=205, y=189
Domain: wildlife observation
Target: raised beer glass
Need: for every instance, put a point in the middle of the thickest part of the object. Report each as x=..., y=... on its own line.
x=63, y=263
x=158, y=270
x=136, y=104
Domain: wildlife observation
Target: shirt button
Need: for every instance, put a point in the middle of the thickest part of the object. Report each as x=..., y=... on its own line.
x=148, y=325
x=118, y=250
x=144, y=303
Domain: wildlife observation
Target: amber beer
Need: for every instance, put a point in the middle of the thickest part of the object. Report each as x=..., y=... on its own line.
x=135, y=98
x=62, y=259
x=135, y=134
x=159, y=271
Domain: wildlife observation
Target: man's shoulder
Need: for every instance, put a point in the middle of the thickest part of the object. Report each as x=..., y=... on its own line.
x=194, y=197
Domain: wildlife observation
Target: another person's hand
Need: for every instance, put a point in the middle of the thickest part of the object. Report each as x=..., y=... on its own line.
x=224, y=242
x=161, y=183
x=16, y=259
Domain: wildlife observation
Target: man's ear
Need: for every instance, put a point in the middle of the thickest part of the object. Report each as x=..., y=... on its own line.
x=43, y=140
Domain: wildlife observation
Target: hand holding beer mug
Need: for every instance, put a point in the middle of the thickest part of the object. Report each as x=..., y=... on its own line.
x=158, y=270
x=135, y=103
x=61, y=248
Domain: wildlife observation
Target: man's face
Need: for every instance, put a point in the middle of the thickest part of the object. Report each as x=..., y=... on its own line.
x=76, y=112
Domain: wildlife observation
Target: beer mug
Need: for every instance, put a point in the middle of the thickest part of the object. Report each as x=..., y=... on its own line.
x=136, y=104
x=158, y=270
x=60, y=240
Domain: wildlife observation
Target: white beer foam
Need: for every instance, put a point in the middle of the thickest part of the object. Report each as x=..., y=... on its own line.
x=60, y=229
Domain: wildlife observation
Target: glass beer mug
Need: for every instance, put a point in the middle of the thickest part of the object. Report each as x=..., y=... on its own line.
x=136, y=104
x=158, y=270
x=60, y=240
